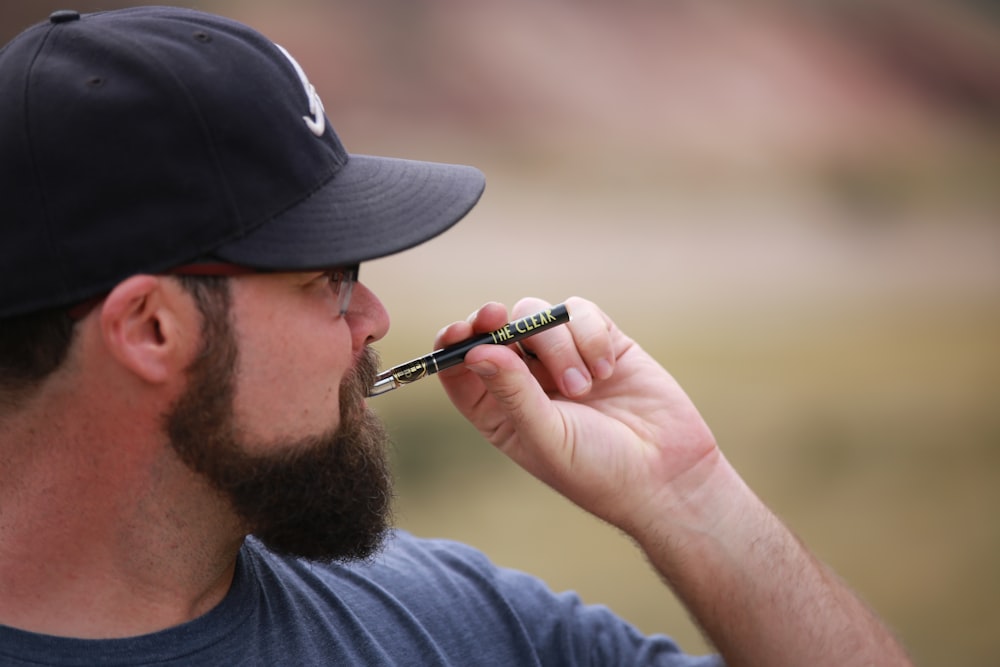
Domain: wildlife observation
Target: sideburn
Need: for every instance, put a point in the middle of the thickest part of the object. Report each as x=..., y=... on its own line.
x=324, y=497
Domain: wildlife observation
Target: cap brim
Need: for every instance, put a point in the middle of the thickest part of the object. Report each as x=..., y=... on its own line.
x=372, y=207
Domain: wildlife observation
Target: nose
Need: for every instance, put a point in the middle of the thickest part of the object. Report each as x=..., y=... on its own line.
x=366, y=316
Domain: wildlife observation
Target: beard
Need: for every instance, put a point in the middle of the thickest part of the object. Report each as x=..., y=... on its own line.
x=325, y=497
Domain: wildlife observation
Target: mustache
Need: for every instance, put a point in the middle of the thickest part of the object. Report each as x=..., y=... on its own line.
x=357, y=381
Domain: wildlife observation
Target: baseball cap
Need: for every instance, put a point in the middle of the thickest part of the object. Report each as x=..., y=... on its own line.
x=136, y=140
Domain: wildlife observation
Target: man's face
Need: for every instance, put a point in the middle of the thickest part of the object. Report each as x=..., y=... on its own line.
x=324, y=495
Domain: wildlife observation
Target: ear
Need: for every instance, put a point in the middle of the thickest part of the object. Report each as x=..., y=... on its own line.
x=144, y=321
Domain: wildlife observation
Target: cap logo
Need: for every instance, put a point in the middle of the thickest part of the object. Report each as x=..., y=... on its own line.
x=317, y=122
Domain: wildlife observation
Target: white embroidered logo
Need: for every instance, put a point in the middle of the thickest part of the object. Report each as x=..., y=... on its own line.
x=316, y=123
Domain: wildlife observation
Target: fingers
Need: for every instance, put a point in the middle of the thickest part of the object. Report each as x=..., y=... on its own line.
x=512, y=399
x=567, y=358
x=489, y=317
x=576, y=354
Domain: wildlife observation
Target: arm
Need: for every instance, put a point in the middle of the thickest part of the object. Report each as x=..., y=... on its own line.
x=596, y=418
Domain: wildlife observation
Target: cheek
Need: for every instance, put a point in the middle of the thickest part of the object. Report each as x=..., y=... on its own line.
x=288, y=378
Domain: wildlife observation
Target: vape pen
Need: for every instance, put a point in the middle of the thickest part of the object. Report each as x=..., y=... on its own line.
x=453, y=355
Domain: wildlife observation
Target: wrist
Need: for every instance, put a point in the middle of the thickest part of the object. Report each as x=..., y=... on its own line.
x=701, y=520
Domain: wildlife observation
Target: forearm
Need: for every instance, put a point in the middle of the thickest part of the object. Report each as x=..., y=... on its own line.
x=631, y=448
x=756, y=591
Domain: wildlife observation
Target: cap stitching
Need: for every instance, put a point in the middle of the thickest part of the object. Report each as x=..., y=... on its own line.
x=36, y=171
x=205, y=129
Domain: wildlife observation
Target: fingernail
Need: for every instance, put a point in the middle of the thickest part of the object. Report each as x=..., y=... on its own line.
x=603, y=369
x=576, y=382
x=483, y=368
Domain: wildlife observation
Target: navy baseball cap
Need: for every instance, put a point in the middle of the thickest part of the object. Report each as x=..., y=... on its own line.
x=137, y=140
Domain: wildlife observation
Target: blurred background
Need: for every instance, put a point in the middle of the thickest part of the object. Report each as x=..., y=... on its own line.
x=794, y=205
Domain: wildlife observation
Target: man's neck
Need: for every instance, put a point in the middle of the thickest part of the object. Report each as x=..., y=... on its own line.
x=87, y=604
x=91, y=548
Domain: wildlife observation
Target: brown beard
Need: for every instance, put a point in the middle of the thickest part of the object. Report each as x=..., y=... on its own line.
x=324, y=497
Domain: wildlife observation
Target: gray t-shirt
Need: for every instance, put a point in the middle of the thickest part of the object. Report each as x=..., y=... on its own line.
x=418, y=602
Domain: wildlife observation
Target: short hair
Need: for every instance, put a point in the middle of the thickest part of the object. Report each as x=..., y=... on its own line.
x=35, y=345
x=32, y=346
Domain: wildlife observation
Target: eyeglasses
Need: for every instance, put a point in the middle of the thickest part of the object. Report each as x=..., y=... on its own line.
x=341, y=281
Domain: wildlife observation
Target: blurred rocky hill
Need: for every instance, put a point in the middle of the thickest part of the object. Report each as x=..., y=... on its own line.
x=750, y=82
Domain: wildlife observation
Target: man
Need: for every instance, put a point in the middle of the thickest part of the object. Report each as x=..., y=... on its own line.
x=185, y=353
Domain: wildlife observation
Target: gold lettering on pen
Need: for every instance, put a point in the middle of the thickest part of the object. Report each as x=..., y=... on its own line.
x=502, y=335
x=531, y=322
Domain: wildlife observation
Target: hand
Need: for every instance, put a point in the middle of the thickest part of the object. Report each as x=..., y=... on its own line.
x=587, y=411
x=591, y=414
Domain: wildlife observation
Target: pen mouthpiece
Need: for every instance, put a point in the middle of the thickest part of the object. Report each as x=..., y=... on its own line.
x=385, y=382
